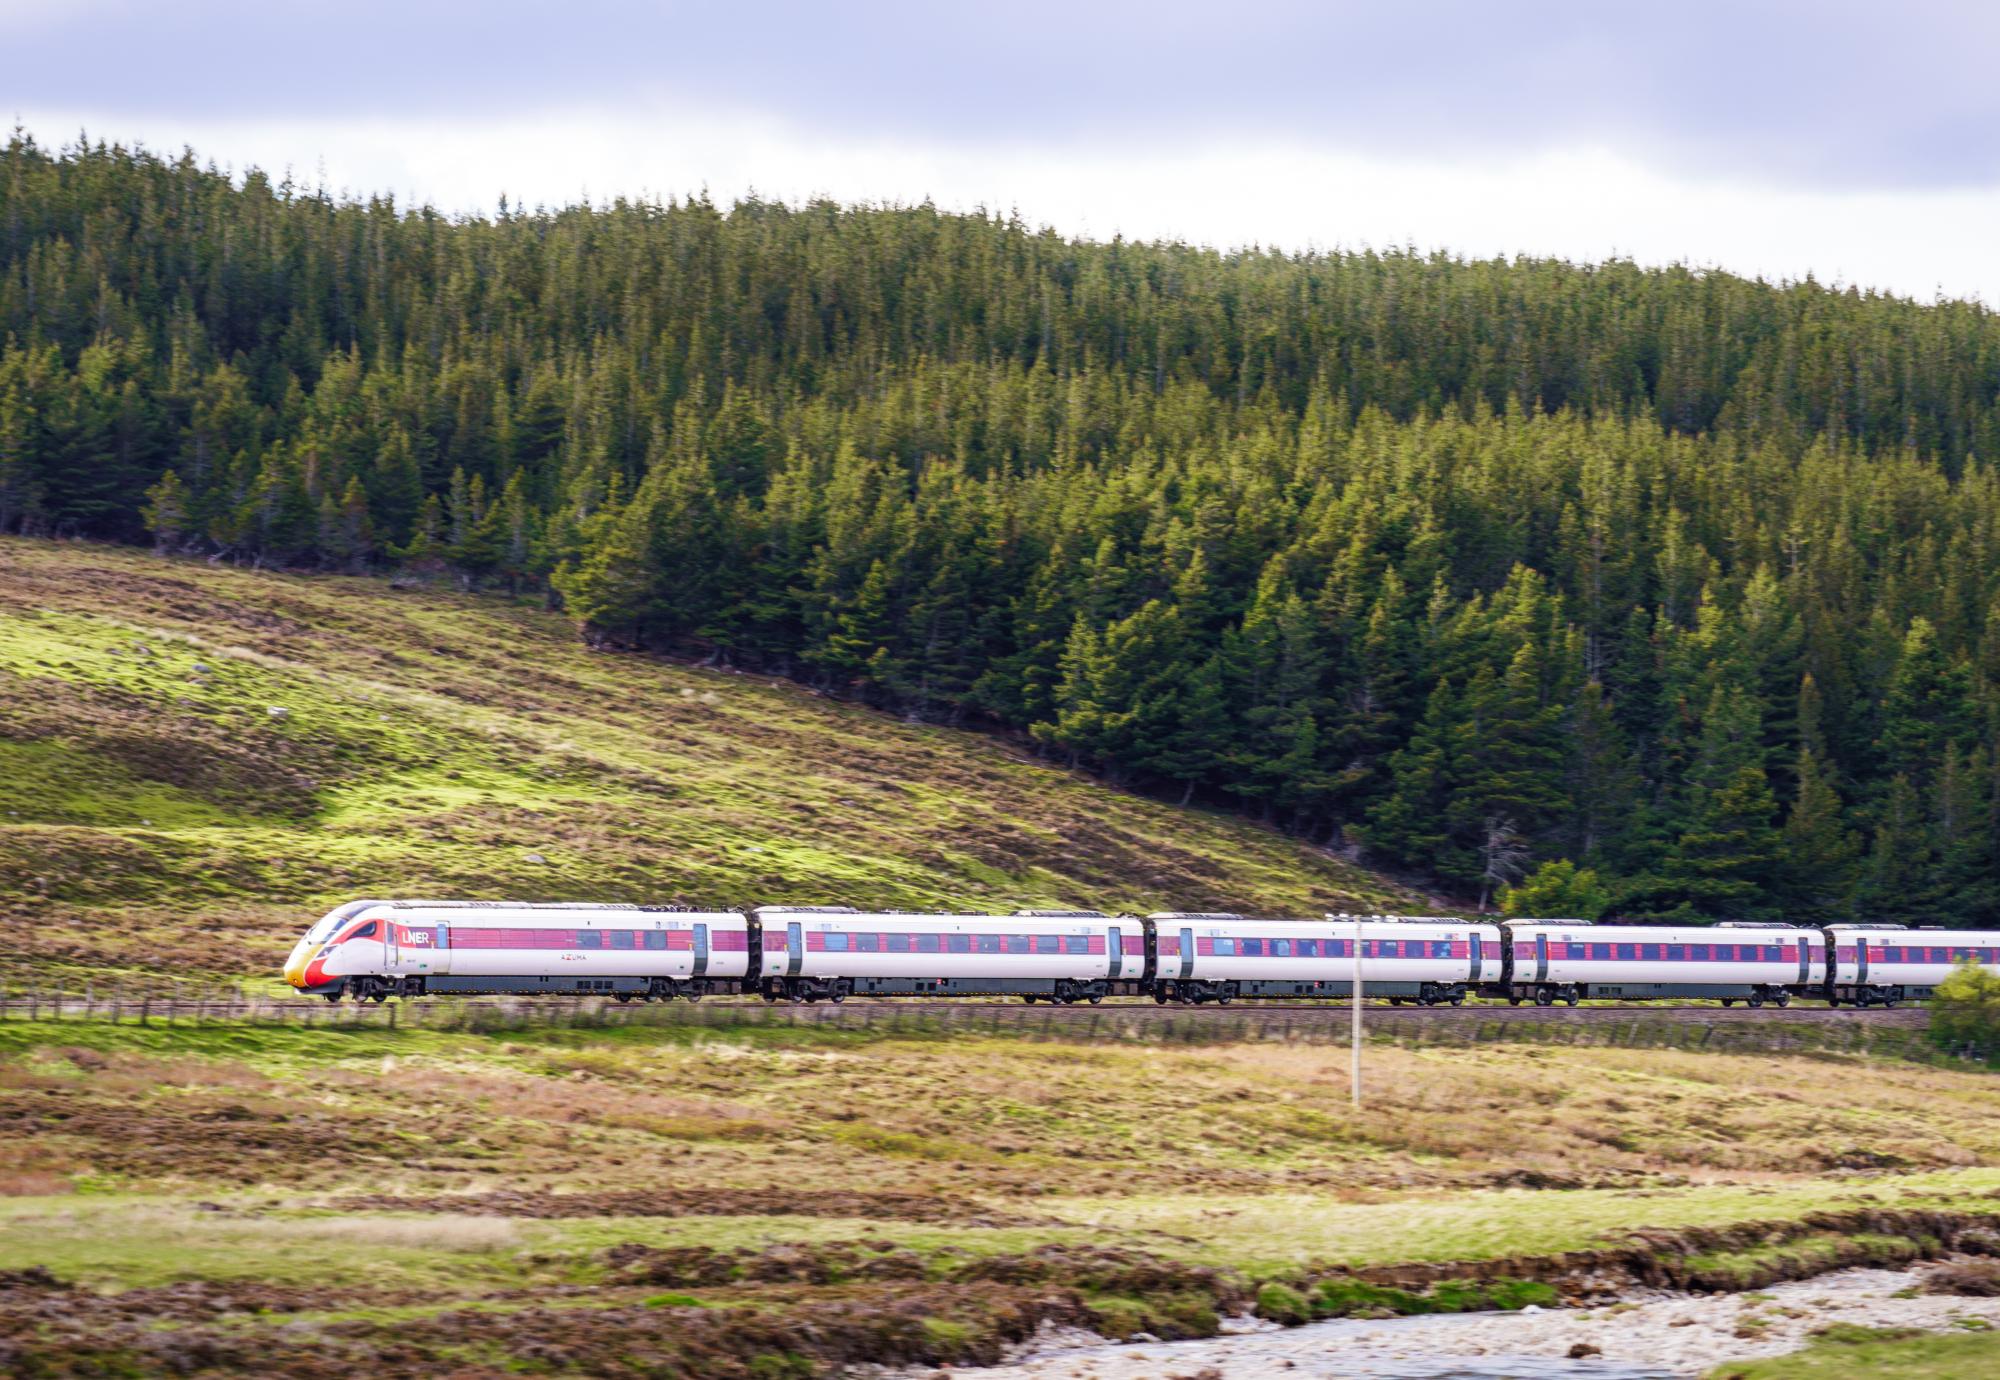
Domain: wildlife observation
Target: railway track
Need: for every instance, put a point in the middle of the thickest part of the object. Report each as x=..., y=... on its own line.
x=864, y=1011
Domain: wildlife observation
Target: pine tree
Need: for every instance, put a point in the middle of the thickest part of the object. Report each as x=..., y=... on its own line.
x=1928, y=709
x=166, y=512
x=1725, y=865
x=1902, y=882
x=1820, y=853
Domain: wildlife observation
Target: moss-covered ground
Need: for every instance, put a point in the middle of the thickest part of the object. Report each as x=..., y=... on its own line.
x=184, y=743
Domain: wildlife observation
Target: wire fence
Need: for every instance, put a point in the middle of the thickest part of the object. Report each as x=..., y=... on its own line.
x=1879, y=1033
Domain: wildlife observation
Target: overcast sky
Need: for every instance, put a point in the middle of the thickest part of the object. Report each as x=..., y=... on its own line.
x=1860, y=143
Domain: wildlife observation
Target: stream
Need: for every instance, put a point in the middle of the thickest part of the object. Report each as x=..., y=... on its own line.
x=1660, y=1337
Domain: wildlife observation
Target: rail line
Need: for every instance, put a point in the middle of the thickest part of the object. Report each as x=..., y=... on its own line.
x=865, y=1011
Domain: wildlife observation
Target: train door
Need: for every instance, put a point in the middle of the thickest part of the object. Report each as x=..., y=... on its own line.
x=701, y=950
x=795, y=948
x=1541, y=958
x=1187, y=953
x=392, y=951
x=1117, y=953
x=1472, y=949
x=1805, y=961
x=1861, y=957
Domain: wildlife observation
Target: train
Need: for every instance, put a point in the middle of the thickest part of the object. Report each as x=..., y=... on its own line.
x=371, y=950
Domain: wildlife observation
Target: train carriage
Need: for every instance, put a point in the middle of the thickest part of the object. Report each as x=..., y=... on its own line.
x=1218, y=957
x=813, y=953
x=380, y=949
x=1880, y=965
x=1569, y=960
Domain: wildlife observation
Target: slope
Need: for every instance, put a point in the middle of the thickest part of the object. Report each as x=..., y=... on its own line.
x=194, y=759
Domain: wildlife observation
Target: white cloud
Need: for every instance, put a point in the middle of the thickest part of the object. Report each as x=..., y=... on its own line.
x=1583, y=204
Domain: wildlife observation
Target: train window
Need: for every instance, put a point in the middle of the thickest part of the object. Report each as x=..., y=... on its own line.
x=868, y=943
x=989, y=943
x=1281, y=948
x=621, y=939
x=656, y=939
x=927, y=943
x=367, y=931
x=1440, y=948
x=1308, y=948
x=1048, y=943
x=1698, y=952
x=1600, y=950
x=1076, y=944
x=589, y=939
x=1773, y=953
x=1017, y=943
x=898, y=943
x=961, y=944
x=1225, y=948
x=1253, y=948
x=836, y=943
x=1677, y=953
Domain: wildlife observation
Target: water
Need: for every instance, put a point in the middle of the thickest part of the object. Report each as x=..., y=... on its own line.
x=1419, y=1348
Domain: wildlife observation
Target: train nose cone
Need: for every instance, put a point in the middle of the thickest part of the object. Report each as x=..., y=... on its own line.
x=295, y=966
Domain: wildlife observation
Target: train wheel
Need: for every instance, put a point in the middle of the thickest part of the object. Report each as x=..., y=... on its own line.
x=1097, y=998
x=1028, y=997
x=1572, y=998
x=1729, y=1001
x=692, y=994
x=621, y=997
x=1513, y=1001
x=1458, y=999
x=333, y=996
x=1783, y=999
x=838, y=997
x=1544, y=997
x=1754, y=1003
x=1159, y=997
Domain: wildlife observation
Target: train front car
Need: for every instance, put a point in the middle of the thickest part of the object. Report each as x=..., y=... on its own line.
x=1204, y=956
x=379, y=949
x=1880, y=965
x=321, y=963
x=829, y=953
x=1569, y=960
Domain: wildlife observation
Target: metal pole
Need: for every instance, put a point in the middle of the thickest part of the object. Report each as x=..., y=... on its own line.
x=1354, y=1074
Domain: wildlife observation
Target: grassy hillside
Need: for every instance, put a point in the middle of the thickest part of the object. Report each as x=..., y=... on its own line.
x=182, y=740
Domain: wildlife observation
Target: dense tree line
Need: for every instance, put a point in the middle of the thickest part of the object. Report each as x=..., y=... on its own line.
x=1689, y=580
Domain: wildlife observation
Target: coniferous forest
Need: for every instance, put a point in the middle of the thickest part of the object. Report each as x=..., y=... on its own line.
x=1656, y=592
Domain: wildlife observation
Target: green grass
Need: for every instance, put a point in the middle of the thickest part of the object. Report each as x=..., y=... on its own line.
x=436, y=743
x=1852, y=1353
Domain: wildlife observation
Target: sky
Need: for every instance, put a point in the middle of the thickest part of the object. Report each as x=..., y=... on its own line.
x=1859, y=143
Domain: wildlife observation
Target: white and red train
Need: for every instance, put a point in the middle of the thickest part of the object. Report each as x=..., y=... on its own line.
x=377, y=949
